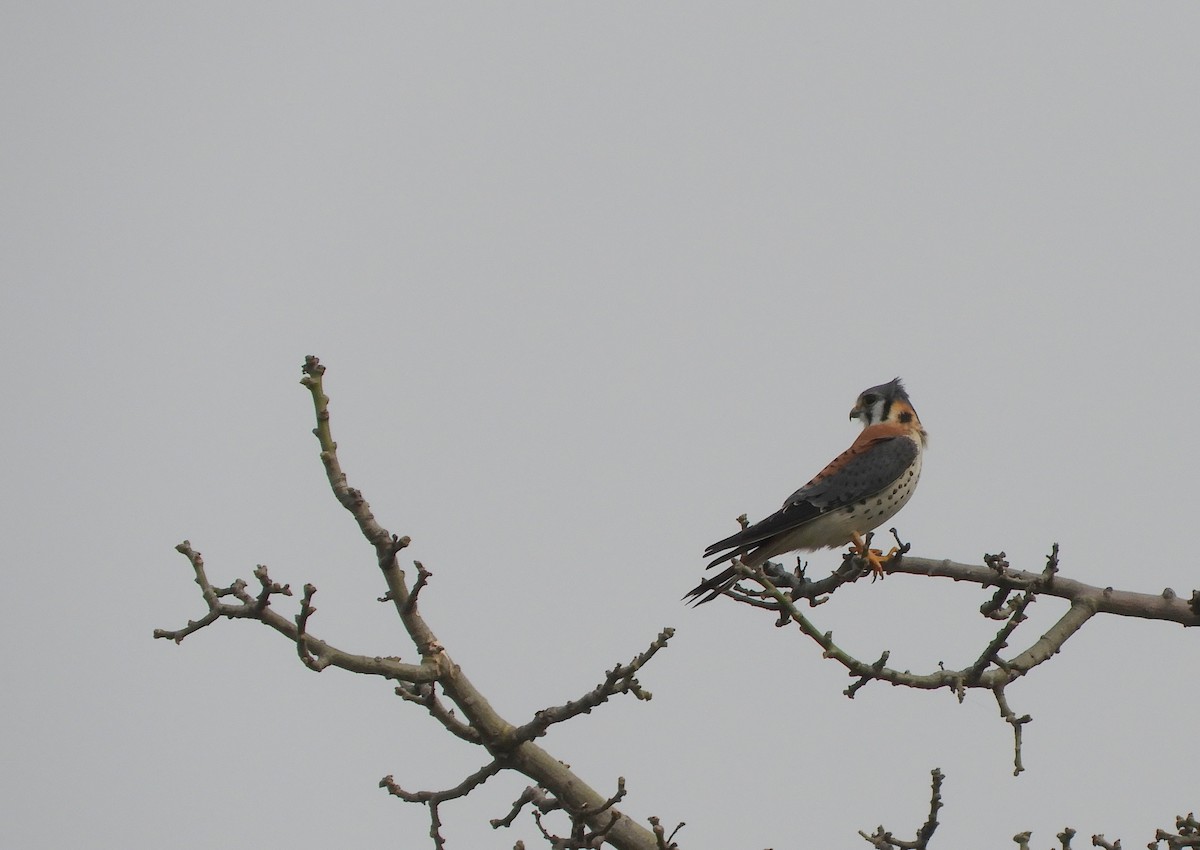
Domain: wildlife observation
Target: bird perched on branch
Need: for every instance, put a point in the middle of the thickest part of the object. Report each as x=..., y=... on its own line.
x=858, y=491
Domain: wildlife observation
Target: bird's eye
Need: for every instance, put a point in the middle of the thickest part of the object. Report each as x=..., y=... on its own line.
x=870, y=398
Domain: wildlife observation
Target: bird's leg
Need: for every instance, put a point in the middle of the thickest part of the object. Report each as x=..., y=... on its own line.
x=874, y=557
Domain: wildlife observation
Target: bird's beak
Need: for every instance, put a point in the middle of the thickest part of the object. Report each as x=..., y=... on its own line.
x=855, y=412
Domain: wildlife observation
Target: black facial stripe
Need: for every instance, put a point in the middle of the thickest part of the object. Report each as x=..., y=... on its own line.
x=887, y=409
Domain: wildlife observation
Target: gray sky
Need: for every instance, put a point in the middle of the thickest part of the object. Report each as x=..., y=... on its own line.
x=590, y=282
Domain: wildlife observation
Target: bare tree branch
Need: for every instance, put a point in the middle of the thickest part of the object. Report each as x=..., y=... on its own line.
x=990, y=670
x=665, y=842
x=619, y=680
x=423, y=576
x=433, y=799
x=323, y=654
x=882, y=839
x=1101, y=600
x=426, y=696
x=582, y=836
x=536, y=796
x=1016, y=722
x=1166, y=605
x=1186, y=834
x=594, y=818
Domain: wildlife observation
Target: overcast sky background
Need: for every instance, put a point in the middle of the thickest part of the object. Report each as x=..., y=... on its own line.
x=590, y=281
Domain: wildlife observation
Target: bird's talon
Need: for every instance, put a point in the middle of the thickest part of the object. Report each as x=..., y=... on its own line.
x=875, y=558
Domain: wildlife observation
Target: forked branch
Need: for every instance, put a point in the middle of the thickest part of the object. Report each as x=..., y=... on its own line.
x=994, y=668
x=883, y=839
x=436, y=683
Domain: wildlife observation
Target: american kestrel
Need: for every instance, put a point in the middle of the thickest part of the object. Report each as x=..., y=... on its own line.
x=858, y=491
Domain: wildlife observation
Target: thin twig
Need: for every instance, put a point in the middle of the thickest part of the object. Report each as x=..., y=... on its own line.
x=883, y=839
x=306, y=611
x=619, y=680
x=422, y=580
x=1017, y=724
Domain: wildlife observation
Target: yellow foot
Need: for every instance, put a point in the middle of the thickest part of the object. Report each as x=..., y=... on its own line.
x=874, y=557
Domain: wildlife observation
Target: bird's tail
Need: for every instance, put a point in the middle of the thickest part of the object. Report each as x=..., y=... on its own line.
x=712, y=587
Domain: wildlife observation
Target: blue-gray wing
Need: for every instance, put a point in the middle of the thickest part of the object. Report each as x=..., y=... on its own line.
x=858, y=474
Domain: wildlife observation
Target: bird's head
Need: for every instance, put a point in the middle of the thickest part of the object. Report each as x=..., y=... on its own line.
x=887, y=403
